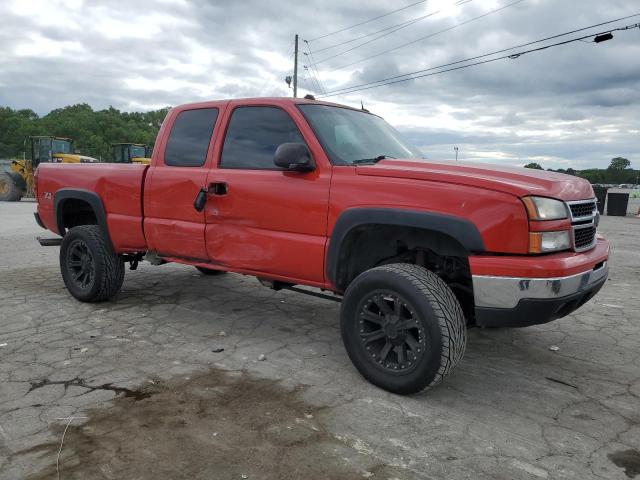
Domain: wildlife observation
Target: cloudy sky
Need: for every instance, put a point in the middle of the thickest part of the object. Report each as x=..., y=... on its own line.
x=572, y=106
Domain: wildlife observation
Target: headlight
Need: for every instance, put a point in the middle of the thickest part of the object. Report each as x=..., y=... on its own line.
x=541, y=208
x=543, y=242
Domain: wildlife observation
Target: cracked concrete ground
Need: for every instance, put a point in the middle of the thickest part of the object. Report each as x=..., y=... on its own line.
x=165, y=382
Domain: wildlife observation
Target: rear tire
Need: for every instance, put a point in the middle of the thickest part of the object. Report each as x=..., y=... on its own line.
x=210, y=271
x=403, y=327
x=9, y=191
x=92, y=271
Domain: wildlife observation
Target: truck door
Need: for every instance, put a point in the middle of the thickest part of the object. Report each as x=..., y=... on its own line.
x=172, y=226
x=261, y=219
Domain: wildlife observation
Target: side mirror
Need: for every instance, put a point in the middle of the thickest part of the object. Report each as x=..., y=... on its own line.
x=294, y=157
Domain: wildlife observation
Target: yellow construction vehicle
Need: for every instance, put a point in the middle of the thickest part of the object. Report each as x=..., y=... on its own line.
x=16, y=177
x=131, y=153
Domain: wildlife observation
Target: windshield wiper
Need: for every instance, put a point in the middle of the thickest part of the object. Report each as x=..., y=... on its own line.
x=371, y=160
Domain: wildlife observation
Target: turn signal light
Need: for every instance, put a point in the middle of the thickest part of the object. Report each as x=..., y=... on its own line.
x=545, y=242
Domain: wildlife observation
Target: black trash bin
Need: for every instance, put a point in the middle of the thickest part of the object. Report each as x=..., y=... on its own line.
x=617, y=204
x=601, y=197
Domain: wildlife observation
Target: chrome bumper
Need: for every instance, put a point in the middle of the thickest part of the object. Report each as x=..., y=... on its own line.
x=506, y=292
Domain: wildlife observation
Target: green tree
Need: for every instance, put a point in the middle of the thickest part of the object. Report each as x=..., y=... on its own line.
x=619, y=171
x=534, y=165
x=93, y=131
x=619, y=163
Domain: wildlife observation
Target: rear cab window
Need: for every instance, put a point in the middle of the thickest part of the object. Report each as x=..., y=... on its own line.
x=190, y=136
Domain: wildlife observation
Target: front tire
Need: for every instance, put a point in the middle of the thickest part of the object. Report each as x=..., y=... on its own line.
x=9, y=191
x=402, y=327
x=92, y=271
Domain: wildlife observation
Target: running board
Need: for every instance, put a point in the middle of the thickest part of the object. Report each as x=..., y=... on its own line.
x=50, y=242
x=333, y=298
x=278, y=285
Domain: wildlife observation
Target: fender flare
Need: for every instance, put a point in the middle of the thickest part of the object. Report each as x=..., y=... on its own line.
x=92, y=198
x=462, y=230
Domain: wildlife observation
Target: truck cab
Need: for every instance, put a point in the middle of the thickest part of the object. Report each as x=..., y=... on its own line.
x=50, y=149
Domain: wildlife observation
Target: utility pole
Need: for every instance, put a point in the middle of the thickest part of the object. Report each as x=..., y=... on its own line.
x=295, y=70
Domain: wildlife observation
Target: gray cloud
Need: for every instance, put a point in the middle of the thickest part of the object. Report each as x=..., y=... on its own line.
x=575, y=105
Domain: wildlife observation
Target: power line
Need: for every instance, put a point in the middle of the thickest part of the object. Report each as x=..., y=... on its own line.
x=314, y=80
x=430, y=35
x=368, y=21
x=510, y=56
x=490, y=54
x=307, y=81
x=400, y=26
x=408, y=24
x=309, y=78
x=314, y=67
x=310, y=86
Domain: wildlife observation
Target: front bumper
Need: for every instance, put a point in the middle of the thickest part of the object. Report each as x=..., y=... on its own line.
x=510, y=301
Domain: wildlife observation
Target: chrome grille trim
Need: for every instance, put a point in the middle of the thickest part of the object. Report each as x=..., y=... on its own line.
x=583, y=247
x=583, y=221
x=579, y=203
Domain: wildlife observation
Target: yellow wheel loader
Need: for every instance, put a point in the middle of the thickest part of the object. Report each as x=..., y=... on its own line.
x=16, y=177
x=131, y=153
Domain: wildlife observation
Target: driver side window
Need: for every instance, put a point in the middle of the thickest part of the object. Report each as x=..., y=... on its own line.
x=253, y=135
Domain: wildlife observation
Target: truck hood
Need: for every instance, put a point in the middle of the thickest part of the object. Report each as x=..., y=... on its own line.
x=517, y=181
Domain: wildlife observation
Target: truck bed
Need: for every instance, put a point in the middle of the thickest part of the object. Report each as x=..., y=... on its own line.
x=118, y=185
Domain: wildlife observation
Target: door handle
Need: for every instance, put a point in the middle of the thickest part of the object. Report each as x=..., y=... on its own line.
x=200, y=200
x=218, y=188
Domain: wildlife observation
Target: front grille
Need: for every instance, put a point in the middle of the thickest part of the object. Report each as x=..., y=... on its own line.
x=584, y=220
x=584, y=237
x=582, y=210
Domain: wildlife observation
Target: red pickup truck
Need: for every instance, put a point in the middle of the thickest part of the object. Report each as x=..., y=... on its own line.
x=302, y=192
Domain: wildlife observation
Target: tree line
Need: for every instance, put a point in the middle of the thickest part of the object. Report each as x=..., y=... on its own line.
x=93, y=131
x=619, y=171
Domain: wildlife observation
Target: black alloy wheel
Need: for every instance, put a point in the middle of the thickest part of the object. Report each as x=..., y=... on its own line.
x=391, y=331
x=80, y=264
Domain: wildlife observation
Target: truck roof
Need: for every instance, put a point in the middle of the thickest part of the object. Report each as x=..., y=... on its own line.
x=51, y=136
x=262, y=101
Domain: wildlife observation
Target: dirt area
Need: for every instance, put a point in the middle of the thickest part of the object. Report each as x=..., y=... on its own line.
x=228, y=423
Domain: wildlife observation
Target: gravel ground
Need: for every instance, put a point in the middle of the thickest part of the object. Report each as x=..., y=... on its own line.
x=188, y=376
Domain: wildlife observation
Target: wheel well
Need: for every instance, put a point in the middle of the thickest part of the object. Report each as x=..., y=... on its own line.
x=77, y=212
x=371, y=245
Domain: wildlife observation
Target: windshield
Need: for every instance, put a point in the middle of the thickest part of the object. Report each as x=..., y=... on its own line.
x=61, y=146
x=349, y=136
x=137, y=151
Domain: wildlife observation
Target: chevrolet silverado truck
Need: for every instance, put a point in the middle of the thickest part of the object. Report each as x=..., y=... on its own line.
x=298, y=192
